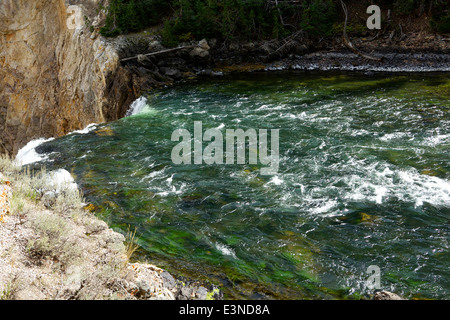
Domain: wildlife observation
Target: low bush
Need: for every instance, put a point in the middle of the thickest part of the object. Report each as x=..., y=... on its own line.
x=440, y=21
x=124, y=16
x=319, y=17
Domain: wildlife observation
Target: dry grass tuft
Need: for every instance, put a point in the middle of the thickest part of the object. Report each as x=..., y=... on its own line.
x=130, y=243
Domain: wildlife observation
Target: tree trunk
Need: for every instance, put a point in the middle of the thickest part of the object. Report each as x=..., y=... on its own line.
x=347, y=41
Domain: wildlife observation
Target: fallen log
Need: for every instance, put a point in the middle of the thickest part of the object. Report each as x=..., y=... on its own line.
x=159, y=52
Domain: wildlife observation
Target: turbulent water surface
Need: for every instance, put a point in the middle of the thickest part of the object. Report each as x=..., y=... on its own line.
x=363, y=181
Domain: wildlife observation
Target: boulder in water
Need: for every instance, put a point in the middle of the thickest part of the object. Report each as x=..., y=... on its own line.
x=386, y=295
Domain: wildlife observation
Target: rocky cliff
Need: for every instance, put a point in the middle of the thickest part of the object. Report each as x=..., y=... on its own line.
x=56, y=74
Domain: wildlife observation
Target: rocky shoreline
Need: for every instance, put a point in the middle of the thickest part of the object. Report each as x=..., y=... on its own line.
x=343, y=61
x=53, y=248
x=211, y=58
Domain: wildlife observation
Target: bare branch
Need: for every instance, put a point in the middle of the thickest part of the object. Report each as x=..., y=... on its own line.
x=347, y=41
x=159, y=52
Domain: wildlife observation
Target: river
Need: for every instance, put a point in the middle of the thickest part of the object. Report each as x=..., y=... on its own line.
x=363, y=180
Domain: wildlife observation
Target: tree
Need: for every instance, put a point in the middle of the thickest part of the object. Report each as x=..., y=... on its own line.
x=347, y=41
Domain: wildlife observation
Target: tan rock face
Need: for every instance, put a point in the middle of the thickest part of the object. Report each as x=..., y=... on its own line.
x=54, y=79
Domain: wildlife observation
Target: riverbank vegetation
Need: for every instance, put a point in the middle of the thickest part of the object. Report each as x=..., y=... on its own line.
x=183, y=20
x=51, y=247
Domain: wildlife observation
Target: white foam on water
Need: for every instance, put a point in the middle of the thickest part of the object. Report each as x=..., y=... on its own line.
x=265, y=107
x=88, y=129
x=325, y=208
x=173, y=190
x=408, y=185
x=392, y=136
x=273, y=107
x=380, y=192
x=28, y=155
x=378, y=183
x=61, y=179
x=423, y=188
x=301, y=116
x=275, y=180
x=153, y=175
x=437, y=140
x=183, y=113
x=225, y=250
x=137, y=107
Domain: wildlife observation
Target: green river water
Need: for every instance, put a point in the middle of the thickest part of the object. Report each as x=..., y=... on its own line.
x=363, y=180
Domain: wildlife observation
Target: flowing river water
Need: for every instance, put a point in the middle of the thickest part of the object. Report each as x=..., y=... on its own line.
x=363, y=181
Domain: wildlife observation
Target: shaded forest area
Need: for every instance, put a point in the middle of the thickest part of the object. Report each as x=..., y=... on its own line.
x=184, y=20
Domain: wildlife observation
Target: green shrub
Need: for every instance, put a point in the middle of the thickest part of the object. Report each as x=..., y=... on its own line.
x=406, y=6
x=169, y=38
x=225, y=19
x=440, y=21
x=318, y=17
x=124, y=16
x=441, y=24
x=353, y=29
x=49, y=225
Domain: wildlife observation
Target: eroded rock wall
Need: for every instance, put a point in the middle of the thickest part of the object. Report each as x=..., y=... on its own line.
x=55, y=78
